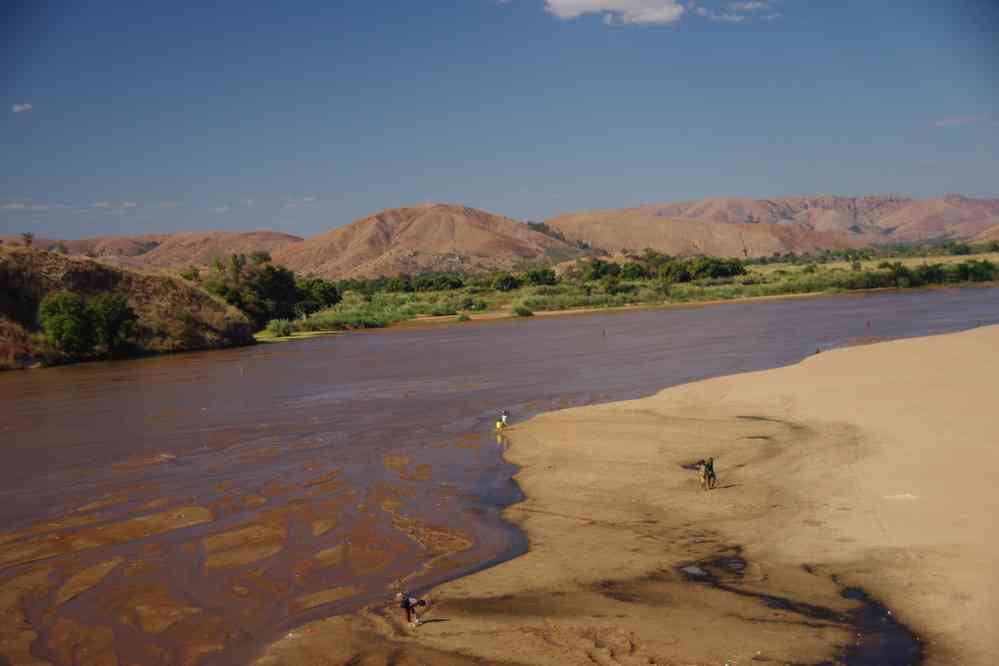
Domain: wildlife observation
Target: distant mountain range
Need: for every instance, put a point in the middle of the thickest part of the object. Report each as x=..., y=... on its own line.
x=435, y=237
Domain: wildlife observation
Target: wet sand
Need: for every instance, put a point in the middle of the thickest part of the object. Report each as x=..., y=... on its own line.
x=871, y=467
x=190, y=509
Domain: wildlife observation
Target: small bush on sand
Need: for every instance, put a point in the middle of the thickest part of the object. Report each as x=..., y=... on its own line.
x=521, y=310
x=464, y=317
x=280, y=328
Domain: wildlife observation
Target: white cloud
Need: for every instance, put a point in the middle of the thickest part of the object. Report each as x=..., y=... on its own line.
x=21, y=108
x=619, y=11
x=299, y=202
x=28, y=205
x=711, y=15
x=954, y=121
x=115, y=205
x=751, y=6
x=738, y=11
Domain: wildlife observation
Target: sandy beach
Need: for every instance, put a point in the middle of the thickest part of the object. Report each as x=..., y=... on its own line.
x=868, y=467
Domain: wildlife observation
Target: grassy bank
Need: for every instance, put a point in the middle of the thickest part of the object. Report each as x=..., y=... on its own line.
x=358, y=310
x=152, y=313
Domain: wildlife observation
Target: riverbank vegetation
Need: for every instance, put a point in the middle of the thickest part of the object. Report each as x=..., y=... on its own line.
x=646, y=278
x=59, y=309
x=262, y=291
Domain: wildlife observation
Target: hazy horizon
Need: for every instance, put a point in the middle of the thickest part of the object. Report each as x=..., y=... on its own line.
x=134, y=120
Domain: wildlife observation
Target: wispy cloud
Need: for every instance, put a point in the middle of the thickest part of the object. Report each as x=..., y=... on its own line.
x=21, y=108
x=632, y=12
x=737, y=12
x=712, y=15
x=115, y=205
x=29, y=205
x=751, y=6
x=661, y=12
x=298, y=202
x=956, y=121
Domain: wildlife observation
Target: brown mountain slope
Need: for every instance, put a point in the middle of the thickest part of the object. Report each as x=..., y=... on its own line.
x=173, y=314
x=98, y=246
x=428, y=237
x=203, y=247
x=990, y=234
x=820, y=213
x=167, y=250
x=879, y=218
x=951, y=216
x=637, y=228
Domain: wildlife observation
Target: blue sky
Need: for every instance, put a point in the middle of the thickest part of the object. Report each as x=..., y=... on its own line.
x=140, y=117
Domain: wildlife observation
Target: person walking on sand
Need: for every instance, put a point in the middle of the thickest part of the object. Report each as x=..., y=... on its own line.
x=707, y=473
x=504, y=418
x=410, y=605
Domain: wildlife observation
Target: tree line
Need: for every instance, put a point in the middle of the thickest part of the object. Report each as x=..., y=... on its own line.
x=262, y=290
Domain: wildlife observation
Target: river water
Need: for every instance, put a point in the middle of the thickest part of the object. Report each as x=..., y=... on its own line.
x=185, y=509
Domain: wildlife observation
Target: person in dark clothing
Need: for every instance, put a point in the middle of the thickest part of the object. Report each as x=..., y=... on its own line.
x=708, y=478
x=410, y=605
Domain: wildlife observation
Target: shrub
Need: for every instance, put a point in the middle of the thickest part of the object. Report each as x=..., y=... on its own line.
x=521, y=310
x=114, y=320
x=505, y=282
x=280, y=328
x=540, y=276
x=67, y=322
x=464, y=317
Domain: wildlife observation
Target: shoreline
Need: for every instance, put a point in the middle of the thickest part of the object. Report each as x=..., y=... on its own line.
x=615, y=524
x=502, y=316
x=505, y=316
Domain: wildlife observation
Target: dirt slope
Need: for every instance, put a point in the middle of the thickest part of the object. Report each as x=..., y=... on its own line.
x=429, y=237
x=990, y=234
x=198, y=248
x=202, y=247
x=841, y=221
x=636, y=229
x=173, y=314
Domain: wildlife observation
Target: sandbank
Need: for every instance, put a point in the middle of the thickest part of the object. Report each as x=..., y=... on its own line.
x=869, y=467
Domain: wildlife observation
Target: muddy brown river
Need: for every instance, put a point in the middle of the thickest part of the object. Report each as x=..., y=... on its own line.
x=188, y=509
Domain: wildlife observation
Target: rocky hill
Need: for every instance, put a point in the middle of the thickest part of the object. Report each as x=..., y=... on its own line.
x=636, y=229
x=191, y=248
x=785, y=224
x=173, y=314
x=989, y=235
x=429, y=237
x=202, y=248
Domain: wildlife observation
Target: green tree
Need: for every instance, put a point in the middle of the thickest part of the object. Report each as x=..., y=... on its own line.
x=113, y=319
x=67, y=322
x=260, y=257
x=540, y=276
x=315, y=293
x=505, y=282
x=633, y=270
